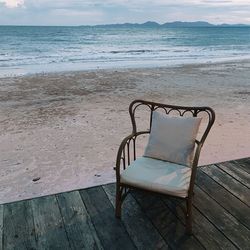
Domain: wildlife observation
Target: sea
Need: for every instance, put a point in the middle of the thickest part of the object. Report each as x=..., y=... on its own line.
x=41, y=49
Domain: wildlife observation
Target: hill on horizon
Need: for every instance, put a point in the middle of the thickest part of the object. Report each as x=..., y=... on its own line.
x=175, y=24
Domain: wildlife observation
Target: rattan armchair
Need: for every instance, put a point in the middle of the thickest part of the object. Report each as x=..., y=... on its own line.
x=127, y=152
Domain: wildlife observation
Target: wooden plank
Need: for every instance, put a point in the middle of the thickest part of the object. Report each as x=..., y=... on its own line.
x=236, y=172
x=110, y=230
x=203, y=229
x=48, y=222
x=169, y=226
x=244, y=164
x=232, y=204
x=137, y=223
x=1, y=227
x=19, y=230
x=224, y=221
x=78, y=225
x=244, y=160
x=228, y=182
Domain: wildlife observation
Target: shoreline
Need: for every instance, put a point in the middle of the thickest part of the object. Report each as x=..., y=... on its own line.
x=65, y=128
x=81, y=68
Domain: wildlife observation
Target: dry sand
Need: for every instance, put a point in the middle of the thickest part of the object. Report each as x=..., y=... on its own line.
x=66, y=128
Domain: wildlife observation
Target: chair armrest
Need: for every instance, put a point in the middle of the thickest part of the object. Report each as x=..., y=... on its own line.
x=125, y=142
x=194, y=165
x=197, y=153
x=121, y=148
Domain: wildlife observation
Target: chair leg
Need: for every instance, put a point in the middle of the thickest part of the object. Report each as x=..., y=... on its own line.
x=189, y=216
x=118, y=204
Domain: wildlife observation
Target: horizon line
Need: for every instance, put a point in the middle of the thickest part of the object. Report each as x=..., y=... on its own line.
x=124, y=23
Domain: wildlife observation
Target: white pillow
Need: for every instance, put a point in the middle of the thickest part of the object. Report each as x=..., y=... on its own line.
x=172, y=138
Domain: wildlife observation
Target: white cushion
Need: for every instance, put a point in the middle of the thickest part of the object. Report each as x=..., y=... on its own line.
x=172, y=138
x=159, y=176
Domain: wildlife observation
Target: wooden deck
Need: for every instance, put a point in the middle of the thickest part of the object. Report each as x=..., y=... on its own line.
x=84, y=219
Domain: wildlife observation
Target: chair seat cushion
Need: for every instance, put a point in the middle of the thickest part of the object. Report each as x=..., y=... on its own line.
x=158, y=176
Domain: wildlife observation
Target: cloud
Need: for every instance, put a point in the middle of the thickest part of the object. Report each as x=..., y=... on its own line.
x=12, y=3
x=225, y=2
x=75, y=12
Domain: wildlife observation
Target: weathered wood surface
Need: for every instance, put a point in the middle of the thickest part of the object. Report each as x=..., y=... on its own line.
x=226, y=199
x=19, y=229
x=137, y=224
x=203, y=229
x=243, y=164
x=84, y=219
x=110, y=230
x=1, y=227
x=49, y=227
x=166, y=222
x=223, y=220
x=229, y=182
x=78, y=224
x=236, y=172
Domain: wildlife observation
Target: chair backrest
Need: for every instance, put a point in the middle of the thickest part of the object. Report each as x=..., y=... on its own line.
x=177, y=110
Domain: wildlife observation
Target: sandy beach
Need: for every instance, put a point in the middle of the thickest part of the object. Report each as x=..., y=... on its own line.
x=64, y=129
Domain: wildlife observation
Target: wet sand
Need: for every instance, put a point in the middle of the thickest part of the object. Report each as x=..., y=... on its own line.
x=61, y=131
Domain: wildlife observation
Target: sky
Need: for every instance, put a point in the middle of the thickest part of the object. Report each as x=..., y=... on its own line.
x=91, y=12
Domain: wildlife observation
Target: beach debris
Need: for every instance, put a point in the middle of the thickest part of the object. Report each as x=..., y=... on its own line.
x=36, y=179
x=97, y=175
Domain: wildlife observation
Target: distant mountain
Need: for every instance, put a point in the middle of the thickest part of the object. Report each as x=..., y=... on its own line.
x=129, y=25
x=150, y=24
x=176, y=24
x=187, y=24
x=233, y=25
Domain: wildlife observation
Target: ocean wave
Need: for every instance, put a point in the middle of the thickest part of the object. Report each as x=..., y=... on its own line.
x=134, y=51
x=64, y=45
x=130, y=51
x=181, y=50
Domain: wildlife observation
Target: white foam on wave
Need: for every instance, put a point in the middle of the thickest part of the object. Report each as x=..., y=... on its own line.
x=26, y=50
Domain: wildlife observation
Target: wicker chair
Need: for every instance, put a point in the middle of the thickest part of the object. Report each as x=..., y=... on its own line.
x=126, y=156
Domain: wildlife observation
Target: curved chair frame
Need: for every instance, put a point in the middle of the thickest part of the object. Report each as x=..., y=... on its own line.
x=124, y=154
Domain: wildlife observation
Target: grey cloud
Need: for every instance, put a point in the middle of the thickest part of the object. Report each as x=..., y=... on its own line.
x=75, y=12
